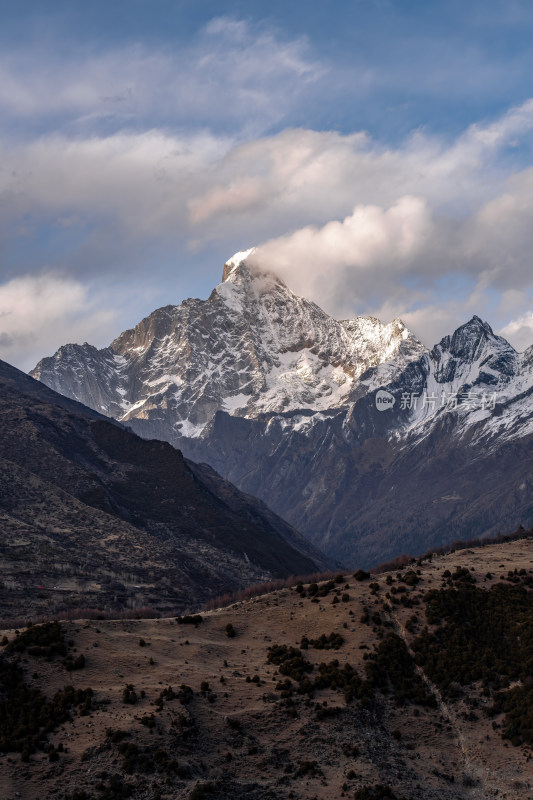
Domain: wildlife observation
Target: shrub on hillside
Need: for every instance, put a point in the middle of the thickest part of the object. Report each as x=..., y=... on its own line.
x=190, y=619
x=40, y=640
x=289, y=660
x=332, y=641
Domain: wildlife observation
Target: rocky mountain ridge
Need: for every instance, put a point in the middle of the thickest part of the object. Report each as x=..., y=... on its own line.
x=284, y=401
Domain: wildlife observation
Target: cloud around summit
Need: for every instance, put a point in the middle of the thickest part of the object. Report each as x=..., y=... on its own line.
x=132, y=168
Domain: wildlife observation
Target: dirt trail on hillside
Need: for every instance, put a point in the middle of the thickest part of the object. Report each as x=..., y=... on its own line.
x=471, y=767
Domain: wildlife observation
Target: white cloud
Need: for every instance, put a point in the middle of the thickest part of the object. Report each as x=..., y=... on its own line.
x=41, y=313
x=459, y=244
x=137, y=182
x=519, y=331
x=303, y=176
x=500, y=234
x=514, y=123
x=242, y=76
x=407, y=260
x=369, y=241
x=217, y=187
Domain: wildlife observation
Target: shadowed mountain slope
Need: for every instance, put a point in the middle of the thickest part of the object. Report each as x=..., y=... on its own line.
x=92, y=514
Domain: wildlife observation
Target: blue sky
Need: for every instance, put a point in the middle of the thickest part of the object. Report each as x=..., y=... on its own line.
x=378, y=152
x=399, y=64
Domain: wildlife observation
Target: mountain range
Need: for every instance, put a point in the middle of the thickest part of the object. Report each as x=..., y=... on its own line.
x=353, y=431
x=94, y=516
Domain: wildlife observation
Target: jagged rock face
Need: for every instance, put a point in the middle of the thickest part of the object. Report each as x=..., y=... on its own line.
x=281, y=399
x=474, y=344
x=252, y=347
x=85, y=374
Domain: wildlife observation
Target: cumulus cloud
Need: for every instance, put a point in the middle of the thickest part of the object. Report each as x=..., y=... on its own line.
x=407, y=260
x=41, y=313
x=223, y=186
x=370, y=238
x=210, y=187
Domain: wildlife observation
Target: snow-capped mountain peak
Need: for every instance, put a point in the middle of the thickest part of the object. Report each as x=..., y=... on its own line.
x=474, y=346
x=471, y=340
x=236, y=261
x=244, y=284
x=252, y=347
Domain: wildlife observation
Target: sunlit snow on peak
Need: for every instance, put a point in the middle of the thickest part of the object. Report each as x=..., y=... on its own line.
x=233, y=262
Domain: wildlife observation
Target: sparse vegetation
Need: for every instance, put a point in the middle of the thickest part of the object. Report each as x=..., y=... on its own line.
x=204, y=791
x=148, y=720
x=72, y=663
x=137, y=759
x=192, y=752
x=326, y=712
x=484, y=635
x=410, y=578
x=306, y=768
x=27, y=717
x=289, y=660
x=389, y=670
x=487, y=636
x=116, y=734
x=517, y=704
x=116, y=788
x=184, y=694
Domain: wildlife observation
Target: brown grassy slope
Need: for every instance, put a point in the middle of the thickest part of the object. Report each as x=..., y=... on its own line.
x=250, y=741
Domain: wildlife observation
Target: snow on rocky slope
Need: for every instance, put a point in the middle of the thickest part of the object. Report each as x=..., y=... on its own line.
x=475, y=375
x=252, y=347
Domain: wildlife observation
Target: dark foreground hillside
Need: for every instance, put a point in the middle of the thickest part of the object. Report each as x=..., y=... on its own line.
x=92, y=515
x=413, y=684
